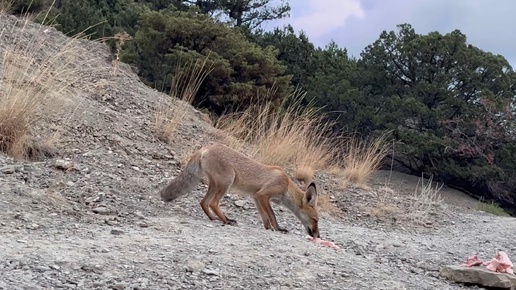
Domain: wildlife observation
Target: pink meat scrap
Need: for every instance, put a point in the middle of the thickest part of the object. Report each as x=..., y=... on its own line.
x=322, y=242
x=472, y=261
x=500, y=263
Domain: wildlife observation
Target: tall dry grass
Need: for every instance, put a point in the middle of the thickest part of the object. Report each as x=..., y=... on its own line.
x=34, y=72
x=120, y=39
x=290, y=134
x=417, y=207
x=363, y=156
x=425, y=198
x=6, y=6
x=185, y=85
x=296, y=135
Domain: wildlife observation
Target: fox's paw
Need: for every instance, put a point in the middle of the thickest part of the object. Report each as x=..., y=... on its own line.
x=282, y=230
x=232, y=222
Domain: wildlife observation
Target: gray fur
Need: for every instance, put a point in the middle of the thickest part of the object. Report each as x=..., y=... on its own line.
x=184, y=182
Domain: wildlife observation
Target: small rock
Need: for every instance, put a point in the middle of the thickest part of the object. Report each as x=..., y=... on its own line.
x=116, y=232
x=479, y=276
x=139, y=214
x=9, y=169
x=240, y=203
x=102, y=210
x=21, y=216
x=91, y=268
x=33, y=227
x=118, y=287
x=211, y=272
x=41, y=268
x=111, y=222
x=195, y=266
x=91, y=199
x=98, y=284
x=65, y=165
x=143, y=224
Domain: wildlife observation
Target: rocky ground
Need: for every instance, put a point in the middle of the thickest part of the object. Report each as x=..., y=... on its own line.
x=88, y=216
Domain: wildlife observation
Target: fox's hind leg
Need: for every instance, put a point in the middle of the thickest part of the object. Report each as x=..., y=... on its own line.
x=215, y=207
x=205, y=202
x=223, y=186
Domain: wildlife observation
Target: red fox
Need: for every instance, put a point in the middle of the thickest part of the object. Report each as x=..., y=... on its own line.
x=226, y=168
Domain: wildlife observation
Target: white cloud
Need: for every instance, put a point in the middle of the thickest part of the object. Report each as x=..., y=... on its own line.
x=318, y=17
x=354, y=24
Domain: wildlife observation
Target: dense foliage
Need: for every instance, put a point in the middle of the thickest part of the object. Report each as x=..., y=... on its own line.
x=449, y=104
x=22, y=6
x=241, y=69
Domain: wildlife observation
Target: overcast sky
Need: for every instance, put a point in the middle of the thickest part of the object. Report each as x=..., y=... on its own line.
x=354, y=24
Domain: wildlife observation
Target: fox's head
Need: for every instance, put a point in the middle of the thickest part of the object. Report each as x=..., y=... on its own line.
x=309, y=215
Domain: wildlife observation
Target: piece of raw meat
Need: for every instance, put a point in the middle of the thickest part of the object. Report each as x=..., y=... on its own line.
x=322, y=242
x=500, y=263
x=472, y=261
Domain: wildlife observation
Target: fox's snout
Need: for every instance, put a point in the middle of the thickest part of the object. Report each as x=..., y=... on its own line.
x=312, y=233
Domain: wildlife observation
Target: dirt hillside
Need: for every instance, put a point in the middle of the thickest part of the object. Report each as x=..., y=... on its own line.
x=88, y=216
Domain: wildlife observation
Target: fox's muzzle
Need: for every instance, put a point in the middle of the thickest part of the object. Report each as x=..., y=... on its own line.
x=311, y=233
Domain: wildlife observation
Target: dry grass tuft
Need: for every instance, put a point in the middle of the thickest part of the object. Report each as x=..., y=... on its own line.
x=185, y=85
x=425, y=198
x=33, y=76
x=385, y=205
x=325, y=204
x=283, y=135
x=6, y=6
x=416, y=208
x=383, y=210
x=362, y=157
x=385, y=194
x=120, y=39
x=304, y=174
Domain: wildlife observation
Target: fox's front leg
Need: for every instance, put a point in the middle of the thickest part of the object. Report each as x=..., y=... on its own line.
x=274, y=222
x=263, y=214
x=265, y=205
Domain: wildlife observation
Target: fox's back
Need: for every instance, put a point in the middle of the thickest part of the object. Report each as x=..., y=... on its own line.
x=218, y=160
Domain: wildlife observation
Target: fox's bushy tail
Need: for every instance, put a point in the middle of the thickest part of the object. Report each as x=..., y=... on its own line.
x=185, y=181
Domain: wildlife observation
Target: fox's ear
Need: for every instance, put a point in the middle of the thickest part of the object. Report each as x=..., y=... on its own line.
x=311, y=194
